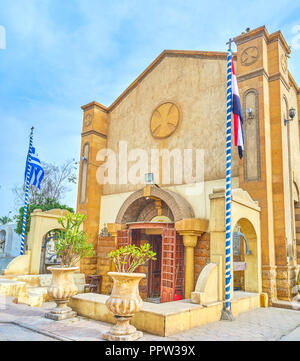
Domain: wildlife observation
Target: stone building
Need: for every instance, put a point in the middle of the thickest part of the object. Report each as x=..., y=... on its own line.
x=9, y=244
x=179, y=102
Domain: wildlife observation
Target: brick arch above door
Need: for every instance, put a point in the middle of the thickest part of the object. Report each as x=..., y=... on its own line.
x=135, y=204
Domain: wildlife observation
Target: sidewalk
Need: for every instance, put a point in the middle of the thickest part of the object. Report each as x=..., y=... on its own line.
x=22, y=322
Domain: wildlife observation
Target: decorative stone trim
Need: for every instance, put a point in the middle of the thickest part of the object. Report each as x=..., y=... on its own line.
x=93, y=132
x=257, y=136
x=136, y=202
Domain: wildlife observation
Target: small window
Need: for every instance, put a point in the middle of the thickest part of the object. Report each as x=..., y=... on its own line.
x=84, y=173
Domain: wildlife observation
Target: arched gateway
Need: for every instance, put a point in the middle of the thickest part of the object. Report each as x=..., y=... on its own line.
x=165, y=220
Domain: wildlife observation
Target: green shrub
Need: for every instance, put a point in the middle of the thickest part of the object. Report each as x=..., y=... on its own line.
x=72, y=244
x=129, y=258
x=47, y=205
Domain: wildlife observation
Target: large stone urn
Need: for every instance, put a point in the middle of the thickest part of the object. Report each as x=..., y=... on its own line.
x=124, y=302
x=62, y=288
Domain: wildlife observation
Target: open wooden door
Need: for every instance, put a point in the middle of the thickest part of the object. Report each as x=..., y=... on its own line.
x=124, y=238
x=179, y=275
x=172, y=265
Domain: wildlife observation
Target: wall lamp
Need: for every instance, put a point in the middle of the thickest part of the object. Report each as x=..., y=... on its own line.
x=149, y=178
x=292, y=114
x=249, y=114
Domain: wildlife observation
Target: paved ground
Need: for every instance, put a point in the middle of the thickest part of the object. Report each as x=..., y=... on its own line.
x=12, y=332
x=21, y=322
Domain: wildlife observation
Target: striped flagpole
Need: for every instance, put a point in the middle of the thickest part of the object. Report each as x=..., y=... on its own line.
x=26, y=192
x=228, y=180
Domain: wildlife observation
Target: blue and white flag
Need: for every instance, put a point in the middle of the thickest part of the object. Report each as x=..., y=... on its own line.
x=36, y=170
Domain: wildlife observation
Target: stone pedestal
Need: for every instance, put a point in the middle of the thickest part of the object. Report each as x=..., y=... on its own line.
x=62, y=288
x=286, y=282
x=123, y=331
x=61, y=312
x=124, y=302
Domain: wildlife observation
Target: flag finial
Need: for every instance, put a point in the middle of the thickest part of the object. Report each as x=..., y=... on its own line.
x=229, y=43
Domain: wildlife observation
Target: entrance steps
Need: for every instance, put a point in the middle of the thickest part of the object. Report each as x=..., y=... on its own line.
x=165, y=319
x=32, y=289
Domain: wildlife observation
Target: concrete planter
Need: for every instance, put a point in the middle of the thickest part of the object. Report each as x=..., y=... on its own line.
x=124, y=302
x=62, y=288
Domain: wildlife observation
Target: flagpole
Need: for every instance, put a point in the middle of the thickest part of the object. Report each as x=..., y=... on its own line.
x=226, y=313
x=26, y=192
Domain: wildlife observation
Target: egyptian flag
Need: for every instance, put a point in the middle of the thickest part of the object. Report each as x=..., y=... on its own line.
x=237, y=115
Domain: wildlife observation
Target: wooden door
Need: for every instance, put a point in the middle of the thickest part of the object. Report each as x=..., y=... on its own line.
x=124, y=238
x=172, y=265
x=179, y=271
x=154, y=268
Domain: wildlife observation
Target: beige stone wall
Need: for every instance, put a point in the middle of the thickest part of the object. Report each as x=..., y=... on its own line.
x=279, y=153
x=196, y=85
x=290, y=136
x=201, y=255
x=111, y=204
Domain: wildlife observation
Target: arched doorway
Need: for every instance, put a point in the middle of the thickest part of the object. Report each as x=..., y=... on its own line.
x=245, y=257
x=150, y=215
x=147, y=203
x=48, y=252
x=2, y=240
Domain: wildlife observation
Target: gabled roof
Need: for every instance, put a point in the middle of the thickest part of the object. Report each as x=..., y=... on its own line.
x=165, y=53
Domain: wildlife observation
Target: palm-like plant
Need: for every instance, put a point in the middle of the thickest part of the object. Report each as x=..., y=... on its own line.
x=129, y=258
x=72, y=243
x=5, y=219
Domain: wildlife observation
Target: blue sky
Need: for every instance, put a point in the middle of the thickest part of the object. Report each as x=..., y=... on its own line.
x=62, y=54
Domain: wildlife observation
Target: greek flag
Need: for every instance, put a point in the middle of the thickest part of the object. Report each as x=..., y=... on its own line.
x=36, y=174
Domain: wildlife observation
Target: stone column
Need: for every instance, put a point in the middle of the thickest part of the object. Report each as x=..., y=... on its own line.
x=190, y=229
x=190, y=242
x=93, y=139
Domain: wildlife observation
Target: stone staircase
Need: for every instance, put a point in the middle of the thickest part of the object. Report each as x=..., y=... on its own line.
x=297, y=219
x=32, y=289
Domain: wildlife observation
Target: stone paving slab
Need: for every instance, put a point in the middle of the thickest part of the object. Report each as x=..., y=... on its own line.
x=264, y=324
x=293, y=336
x=12, y=332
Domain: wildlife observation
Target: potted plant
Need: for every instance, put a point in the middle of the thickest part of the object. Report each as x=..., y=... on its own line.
x=71, y=246
x=125, y=299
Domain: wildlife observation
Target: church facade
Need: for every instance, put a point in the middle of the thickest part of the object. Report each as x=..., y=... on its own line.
x=178, y=104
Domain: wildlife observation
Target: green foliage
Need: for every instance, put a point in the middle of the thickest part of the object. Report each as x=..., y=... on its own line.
x=5, y=220
x=129, y=258
x=44, y=205
x=72, y=244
